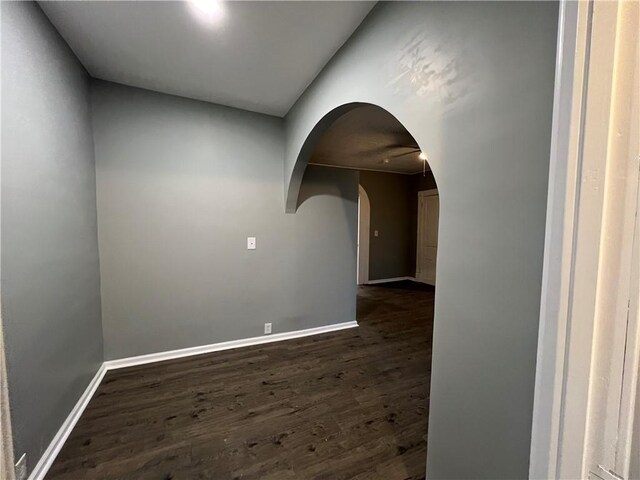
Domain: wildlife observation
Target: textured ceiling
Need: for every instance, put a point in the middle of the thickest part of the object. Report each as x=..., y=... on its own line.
x=368, y=138
x=258, y=56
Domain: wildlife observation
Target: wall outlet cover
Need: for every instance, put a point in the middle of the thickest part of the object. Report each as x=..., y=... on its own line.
x=251, y=243
x=267, y=328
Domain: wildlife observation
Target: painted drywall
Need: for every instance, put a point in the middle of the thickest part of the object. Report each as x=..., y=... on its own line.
x=181, y=184
x=390, y=197
x=473, y=83
x=50, y=270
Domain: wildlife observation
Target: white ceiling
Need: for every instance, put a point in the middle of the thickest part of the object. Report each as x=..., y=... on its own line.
x=368, y=138
x=259, y=56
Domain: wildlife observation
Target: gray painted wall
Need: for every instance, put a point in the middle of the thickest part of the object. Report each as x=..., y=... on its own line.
x=473, y=83
x=390, y=196
x=180, y=186
x=50, y=271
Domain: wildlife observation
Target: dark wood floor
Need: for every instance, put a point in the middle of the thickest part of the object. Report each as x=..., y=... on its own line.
x=351, y=404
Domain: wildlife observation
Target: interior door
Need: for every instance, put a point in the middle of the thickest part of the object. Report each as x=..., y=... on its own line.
x=427, y=252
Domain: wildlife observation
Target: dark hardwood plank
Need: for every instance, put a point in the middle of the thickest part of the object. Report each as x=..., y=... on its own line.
x=351, y=404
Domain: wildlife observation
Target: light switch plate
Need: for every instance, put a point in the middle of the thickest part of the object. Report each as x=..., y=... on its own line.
x=251, y=243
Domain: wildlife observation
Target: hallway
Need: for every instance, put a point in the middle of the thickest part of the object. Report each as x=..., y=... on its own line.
x=346, y=405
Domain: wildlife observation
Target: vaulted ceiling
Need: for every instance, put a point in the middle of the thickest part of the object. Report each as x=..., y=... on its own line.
x=257, y=56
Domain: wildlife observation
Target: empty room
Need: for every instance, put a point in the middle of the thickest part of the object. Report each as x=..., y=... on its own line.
x=319, y=240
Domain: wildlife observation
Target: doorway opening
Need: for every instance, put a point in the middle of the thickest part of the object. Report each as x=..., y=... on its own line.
x=394, y=210
x=362, y=256
x=427, y=241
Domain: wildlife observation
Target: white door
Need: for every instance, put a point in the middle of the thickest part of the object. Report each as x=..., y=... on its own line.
x=364, y=211
x=427, y=252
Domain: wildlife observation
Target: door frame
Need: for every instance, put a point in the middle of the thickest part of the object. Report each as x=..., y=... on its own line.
x=423, y=193
x=589, y=246
x=7, y=470
x=364, y=226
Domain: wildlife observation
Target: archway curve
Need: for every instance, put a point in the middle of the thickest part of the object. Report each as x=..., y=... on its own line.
x=312, y=138
x=306, y=146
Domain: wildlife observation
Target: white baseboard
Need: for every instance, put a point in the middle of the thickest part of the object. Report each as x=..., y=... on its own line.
x=61, y=436
x=388, y=280
x=217, y=347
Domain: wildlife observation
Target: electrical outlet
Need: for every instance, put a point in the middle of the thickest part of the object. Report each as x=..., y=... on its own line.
x=21, y=468
x=375, y=233
x=267, y=328
x=251, y=243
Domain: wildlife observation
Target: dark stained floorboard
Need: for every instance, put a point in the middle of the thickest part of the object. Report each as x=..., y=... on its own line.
x=350, y=405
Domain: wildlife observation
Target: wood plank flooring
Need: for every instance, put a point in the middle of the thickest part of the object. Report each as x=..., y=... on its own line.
x=352, y=404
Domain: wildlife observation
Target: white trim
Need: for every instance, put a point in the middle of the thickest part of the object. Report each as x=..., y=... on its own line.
x=584, y=391
x=50, y=454
x=217, y=347
x=389, y=280
x=563, y=182
x=60, y=438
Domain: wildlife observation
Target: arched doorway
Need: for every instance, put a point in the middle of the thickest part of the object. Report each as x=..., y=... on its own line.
x=364, y=213
x=403, y=232
x=395, y=311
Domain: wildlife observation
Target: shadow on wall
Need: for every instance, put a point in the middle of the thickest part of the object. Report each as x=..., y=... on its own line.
x=293, y=193
x=340, y=184
x=324, y=184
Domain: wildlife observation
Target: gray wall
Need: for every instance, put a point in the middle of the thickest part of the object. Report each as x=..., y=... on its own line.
x=390, y=253
x=180, y=185
x=50, y=271
x=473, y=83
